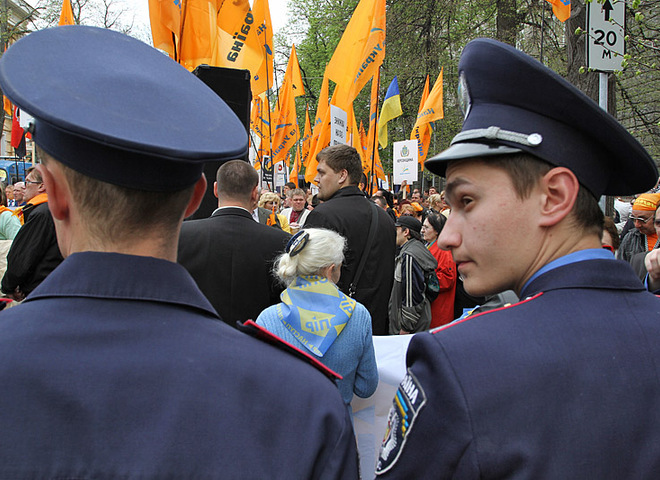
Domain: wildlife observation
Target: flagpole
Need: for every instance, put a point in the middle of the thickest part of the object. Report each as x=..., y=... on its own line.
x=184, y=11
x=374, y=146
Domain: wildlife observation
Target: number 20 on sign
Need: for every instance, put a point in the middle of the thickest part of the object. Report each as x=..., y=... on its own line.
x=605, y=24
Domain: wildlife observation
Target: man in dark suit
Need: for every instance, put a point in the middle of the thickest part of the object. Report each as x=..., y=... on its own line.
x=346, y=210
x=563, y=384
x=229, y=255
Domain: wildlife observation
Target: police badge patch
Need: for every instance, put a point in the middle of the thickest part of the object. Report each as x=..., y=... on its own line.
x=408, y=402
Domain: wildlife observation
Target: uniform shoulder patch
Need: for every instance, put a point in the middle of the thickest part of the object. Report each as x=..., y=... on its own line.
x=264, y=335
x=409, y=400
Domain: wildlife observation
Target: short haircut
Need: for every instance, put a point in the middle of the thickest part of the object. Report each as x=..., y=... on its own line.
x=380, y=200
x=297, y=192
x=119, y=214
x=343, y=157
x=35, y=173
x=236, y=179
x=323, y=248
x=525, y=171
x=290, y=185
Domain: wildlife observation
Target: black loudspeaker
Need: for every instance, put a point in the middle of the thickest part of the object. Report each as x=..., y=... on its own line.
x=233, y=86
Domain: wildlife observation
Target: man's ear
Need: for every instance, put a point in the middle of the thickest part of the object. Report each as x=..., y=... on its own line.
x=559, y=189
x=59, y=195
x=215, y=189
x=343, y=176
x=197, y=196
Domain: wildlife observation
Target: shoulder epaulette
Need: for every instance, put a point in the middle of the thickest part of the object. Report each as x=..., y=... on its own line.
x=259, y=332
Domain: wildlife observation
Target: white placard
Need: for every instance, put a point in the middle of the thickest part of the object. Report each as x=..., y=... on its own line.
x=605, y=44
x=338, y=122
x=279, y=171
x=405, y=161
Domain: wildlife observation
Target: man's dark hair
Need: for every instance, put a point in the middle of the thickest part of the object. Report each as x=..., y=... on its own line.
x=343, y=157
x=35, y=173
x=290, y=185
x=525, y=171
x=236, y=179
x=388, y=197
x=380, y=200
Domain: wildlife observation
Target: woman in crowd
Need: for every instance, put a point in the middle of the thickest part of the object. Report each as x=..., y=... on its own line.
x=9, y=223
x=271, y=201
x=317, y=317
x=442, y=308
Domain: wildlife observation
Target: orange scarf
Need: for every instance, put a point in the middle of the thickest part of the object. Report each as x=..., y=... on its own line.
x=34, y=201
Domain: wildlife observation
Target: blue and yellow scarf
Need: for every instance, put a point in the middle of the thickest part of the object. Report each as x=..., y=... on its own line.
x=315, y=311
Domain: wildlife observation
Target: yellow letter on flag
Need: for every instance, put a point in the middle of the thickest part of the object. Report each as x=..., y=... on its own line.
x=66, y=16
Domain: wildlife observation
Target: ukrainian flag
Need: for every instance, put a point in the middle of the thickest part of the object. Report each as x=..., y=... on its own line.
x=390, y=110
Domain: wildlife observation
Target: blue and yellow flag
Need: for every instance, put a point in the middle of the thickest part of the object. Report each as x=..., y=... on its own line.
x=390, y=110
x=315, y=311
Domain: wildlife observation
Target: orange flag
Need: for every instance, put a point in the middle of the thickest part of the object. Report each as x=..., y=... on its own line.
x=364, y=148
x=198, y=40
x=286, y=127
x=307, y=139
x=354, y=137
x=66, y=15
x=422, y=132
x=165, y=19
x=297, y=162
x=260, y=123
x=243, y=41
x=561, y=9
x=321, y=108
x=360, y=52
x=374, y=156
x=322, y=140
x=293, y=72
x=432, y=109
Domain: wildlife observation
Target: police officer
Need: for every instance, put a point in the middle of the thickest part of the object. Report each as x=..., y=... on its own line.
x=117, y=365
x=564, y=383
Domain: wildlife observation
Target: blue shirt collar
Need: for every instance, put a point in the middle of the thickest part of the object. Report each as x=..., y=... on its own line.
x=579, y=256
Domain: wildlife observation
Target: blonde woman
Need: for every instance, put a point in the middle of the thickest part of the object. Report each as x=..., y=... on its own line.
x=271, y=201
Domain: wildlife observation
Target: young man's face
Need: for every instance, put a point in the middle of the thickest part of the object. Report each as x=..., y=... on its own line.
x=328, y=180
x=490, y=232
x=297, y=203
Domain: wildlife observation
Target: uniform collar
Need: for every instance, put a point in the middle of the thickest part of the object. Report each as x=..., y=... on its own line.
x=570, y=271
x=123, y=277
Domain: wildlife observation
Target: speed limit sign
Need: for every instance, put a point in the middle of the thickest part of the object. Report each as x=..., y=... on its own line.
x=605, y=45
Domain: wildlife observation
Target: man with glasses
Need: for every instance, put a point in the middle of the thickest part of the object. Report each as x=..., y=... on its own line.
x=34, y=252
x=643, y=237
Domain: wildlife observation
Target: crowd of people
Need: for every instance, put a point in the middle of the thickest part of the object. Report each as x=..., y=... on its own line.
x=145, y=346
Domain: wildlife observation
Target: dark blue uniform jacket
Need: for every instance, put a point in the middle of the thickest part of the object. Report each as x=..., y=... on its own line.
x=563, y=385
x=118, y=367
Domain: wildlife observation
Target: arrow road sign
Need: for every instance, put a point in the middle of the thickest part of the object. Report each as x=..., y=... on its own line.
x=605, y=25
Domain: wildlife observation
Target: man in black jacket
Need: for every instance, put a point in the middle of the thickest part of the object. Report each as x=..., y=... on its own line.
x=34, y=252
x=229, y=255
x=347, y=211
